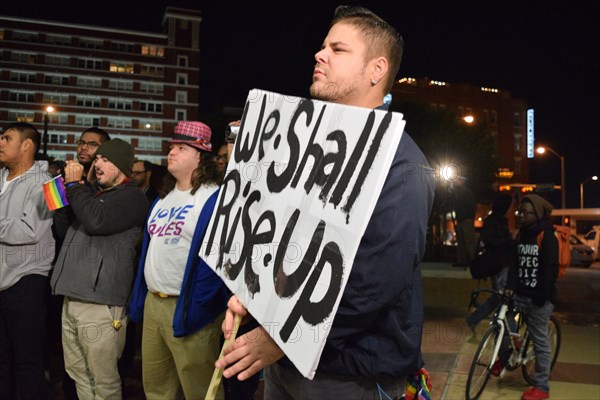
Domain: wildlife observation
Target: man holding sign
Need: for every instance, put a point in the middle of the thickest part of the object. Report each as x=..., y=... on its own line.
x=375, y=338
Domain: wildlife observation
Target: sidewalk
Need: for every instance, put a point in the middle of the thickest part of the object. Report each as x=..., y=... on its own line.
x=448, y=353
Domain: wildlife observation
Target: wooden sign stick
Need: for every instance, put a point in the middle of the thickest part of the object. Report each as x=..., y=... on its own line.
x=215, y=382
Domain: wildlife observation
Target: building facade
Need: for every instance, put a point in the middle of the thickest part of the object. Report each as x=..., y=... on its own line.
x=504, y=117
x=135, y=85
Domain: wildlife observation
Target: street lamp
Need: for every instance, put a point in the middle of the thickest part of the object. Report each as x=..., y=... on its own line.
x=591, y=178
x=49, y=110
x=469, y=119
x=542, y=150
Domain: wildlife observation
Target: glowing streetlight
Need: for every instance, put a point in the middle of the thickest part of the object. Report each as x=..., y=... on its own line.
x=449, y=172
x=591, y=178
x=49, y=110
x=469, y=119
x=542, y=150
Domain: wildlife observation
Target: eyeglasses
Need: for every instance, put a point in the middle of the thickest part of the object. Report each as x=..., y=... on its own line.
x=523, y=213
x=89, y=145
x=136, y=173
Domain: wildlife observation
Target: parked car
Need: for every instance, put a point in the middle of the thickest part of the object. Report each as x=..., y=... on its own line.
x=592, y=239
x=581, y=254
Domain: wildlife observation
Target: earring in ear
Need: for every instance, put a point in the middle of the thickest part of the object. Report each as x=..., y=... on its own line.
x=373, y=82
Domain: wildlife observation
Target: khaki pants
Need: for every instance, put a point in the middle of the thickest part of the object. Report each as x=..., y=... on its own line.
x=176, y=367
x=92, y=348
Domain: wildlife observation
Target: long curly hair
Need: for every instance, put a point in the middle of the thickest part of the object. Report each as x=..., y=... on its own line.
x=205, y=173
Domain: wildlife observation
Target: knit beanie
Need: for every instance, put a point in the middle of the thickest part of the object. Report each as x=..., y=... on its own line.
x=118, y=152
x=542, y=208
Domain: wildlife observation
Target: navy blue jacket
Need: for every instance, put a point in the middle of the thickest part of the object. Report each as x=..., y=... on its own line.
x=377, y=328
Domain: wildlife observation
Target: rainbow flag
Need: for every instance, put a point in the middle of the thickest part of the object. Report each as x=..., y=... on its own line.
x=55, y=193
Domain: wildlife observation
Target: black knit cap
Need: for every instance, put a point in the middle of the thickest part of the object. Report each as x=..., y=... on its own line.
x=118, y=152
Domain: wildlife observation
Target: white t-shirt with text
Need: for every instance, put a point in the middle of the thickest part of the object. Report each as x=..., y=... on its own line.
x=171, y=226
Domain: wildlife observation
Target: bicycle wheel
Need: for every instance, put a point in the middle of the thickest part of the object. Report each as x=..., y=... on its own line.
x=481, y=367
x=554, y=334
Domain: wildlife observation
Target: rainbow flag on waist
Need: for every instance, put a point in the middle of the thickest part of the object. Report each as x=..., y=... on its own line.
x=55, y=193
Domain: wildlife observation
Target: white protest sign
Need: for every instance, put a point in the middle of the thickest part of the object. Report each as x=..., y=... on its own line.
x=297, y=196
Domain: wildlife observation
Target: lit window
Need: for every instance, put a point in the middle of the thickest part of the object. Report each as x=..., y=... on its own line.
x=121, y=67
x=21, y=116
x=155, y=51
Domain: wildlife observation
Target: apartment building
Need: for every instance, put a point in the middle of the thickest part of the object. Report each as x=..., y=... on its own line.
x=504, y=117
x=135, y=85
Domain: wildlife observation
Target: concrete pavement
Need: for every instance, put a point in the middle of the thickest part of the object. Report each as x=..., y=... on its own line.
x=448, y=352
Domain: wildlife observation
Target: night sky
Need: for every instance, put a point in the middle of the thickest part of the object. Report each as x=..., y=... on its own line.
x=546, y=52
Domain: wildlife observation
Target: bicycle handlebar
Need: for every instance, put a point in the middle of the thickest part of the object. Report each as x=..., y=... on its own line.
x=476, y=292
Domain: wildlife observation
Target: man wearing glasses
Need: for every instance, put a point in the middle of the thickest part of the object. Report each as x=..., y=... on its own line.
x=142, y=171
x=88, y=144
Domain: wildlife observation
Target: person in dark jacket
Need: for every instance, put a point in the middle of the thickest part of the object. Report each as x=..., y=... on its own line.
x=498, y=242
x=532, y=279
x=94, y=270
x=375, y=339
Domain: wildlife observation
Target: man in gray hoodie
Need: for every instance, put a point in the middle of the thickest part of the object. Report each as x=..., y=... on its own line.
x=26, y=253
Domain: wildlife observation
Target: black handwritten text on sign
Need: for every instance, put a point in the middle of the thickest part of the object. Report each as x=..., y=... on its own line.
x=304, y=174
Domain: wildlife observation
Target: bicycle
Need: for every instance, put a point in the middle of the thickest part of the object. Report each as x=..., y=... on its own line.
x=521, y=345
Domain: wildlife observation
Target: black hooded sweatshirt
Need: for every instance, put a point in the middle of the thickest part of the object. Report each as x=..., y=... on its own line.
x=534, y=269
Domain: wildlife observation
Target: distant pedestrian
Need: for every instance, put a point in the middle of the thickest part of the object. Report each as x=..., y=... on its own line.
x=498, y=243
x=532, y=279
x=463, y=206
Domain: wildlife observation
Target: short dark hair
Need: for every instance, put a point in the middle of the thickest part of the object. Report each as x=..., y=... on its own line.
x=104, y=136
x=382, y=38
x=147, y=164
x=26, y=131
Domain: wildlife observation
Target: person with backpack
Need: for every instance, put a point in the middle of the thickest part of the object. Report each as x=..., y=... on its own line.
x=498, y=243
x=532, y=279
